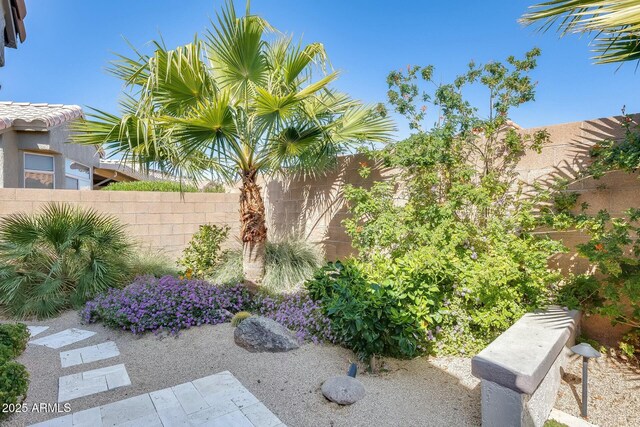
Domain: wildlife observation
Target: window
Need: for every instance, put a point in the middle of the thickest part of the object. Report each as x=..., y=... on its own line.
x=38, y=171
x=77, y=176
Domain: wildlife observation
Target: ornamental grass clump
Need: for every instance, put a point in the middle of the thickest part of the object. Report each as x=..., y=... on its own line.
x=167, y=305
x=297, y=312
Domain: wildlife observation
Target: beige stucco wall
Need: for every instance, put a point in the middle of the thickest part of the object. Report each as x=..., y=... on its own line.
x=566, y=155
x=313, y=208
x=164, y=221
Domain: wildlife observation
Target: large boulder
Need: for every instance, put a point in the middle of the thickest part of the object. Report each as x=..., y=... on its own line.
x=343, y=390
x=258, y=334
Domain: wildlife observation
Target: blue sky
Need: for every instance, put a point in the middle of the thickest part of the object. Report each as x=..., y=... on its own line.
x=71, y=41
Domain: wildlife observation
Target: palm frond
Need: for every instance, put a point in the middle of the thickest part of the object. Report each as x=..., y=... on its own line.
x=615, y=23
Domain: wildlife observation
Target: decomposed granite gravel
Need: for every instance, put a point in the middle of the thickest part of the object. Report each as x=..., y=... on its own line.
x=419, y=392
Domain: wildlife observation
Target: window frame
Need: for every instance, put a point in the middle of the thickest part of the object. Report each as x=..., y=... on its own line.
x=78, y=178
x=25, y=170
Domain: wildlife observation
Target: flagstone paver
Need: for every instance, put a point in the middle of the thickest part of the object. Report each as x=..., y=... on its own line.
x=91, y=382
x=218, y=400
x=89, y=354
x=35, y=330
x=64, y=338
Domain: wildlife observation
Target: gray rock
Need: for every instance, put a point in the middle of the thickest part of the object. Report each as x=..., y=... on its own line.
x=258, y=334
x=343, y=390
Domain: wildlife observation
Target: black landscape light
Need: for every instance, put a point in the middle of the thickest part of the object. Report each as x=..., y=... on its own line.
x=587, y=352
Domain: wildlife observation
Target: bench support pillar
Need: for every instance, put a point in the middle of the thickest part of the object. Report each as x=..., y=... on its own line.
x=502, y=406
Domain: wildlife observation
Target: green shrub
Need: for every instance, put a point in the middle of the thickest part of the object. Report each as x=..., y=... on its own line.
x=13, y=340
x=59, y=257
x=14, y=384
x=150, y=263
x=239, y=317
x=454, y=235
x=213, y=187
x=375, y=318
x=164, y=186
x=288, y=263
x=203, y=253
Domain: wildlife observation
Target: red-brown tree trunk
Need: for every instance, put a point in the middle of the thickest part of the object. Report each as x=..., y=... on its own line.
x=253, y=230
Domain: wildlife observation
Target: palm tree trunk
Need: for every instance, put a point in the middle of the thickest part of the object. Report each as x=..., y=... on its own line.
x=253, y=230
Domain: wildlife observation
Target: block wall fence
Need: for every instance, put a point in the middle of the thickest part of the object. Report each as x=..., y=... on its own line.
x=162, y=221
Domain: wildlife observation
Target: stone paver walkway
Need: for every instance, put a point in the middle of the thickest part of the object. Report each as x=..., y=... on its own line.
x=64, y=338
x=89, y=354
x=35, y=330
x=217, y=400
x=91, y=382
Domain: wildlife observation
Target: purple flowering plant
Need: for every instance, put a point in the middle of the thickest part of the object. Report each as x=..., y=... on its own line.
x=167, y=304
x=298, y=312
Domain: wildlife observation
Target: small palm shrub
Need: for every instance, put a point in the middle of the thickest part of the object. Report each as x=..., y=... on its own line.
x=203, y=253
x=288, y=263
x=59, y=257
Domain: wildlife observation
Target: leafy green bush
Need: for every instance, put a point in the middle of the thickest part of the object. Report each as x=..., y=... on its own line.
x=375, y=318
x=288, y=263
x=14, y=384
x=164, y=186
x=13, y=340
x=14, y=379
x=454, y=234
x=203, y=253
x=59, y=257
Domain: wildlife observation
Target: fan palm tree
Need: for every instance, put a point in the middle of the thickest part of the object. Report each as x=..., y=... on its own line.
x=237, y=105
x=616, y=24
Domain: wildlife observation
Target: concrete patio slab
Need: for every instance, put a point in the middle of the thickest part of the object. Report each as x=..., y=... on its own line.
x=91, y=382
x=64, y=338
x=217, y=400
x=89, y=354
x=35, y=330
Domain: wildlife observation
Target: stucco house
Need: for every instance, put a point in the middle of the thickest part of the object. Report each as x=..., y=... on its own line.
x=33, y=148
x=35, y=153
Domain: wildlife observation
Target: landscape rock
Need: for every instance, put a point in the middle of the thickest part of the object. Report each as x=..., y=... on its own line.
x=343, y=390
x=258, y=334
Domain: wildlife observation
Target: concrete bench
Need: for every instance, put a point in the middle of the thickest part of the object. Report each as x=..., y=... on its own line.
x=520, y=370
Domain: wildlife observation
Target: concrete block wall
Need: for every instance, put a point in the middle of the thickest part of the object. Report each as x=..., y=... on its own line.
x=313, y=207
x=162, y=221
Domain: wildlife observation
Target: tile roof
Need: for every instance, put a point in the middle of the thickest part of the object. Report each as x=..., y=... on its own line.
x=37, y=116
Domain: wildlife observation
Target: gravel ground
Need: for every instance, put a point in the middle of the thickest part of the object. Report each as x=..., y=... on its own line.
x=614, y=392
x=419, y=392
